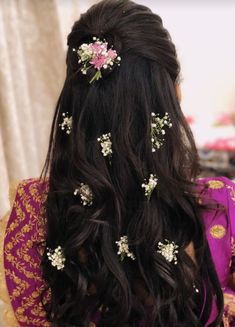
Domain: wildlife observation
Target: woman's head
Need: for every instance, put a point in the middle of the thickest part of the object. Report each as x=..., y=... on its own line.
x=133, y=30
x=121, y=103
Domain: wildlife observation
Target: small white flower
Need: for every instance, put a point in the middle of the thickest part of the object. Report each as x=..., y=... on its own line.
x=150, y=186
x=168, y=250
x=85, y=193
x=195, y=288
x=157, y=129
x=56, y=257
x=123, y=248
x=66, y=125
x=106, y=144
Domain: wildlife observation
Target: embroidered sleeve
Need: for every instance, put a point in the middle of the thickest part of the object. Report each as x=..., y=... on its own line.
x=229, y=293
x=22, y=254
x=221, y=235
x=6, y=312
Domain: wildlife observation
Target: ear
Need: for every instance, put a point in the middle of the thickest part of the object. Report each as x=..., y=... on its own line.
x=178, y=92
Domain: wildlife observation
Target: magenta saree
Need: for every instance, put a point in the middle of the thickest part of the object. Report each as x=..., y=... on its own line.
x=25, y=230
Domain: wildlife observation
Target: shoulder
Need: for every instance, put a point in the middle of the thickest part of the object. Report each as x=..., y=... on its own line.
x=27, y=200
x=217, y=200
x=219, y=189
x=215, y=183
x=217, y=197
x=33, y=189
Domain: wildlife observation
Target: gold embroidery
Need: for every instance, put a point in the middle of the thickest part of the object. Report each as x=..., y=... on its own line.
x=7, y=315
x=20, y=217
x=20, y=287
x=217, y=231
x=28, y=213
x=215, y=184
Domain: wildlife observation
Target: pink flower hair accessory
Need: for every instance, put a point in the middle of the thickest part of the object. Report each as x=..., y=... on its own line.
x=96, y=55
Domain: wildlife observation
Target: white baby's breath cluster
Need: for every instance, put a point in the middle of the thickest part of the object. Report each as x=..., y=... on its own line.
x=106, y=144
x=150, y=185
x=85, y=193
x=85, y=54
x=56, y=257
x=123, y=248
x=67, y=123
x=168, y=250
x=157, y=129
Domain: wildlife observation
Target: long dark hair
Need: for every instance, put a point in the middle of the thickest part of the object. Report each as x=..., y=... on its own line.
x=148, y=288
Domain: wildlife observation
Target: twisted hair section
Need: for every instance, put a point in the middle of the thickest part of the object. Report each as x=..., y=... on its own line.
x=149, y=288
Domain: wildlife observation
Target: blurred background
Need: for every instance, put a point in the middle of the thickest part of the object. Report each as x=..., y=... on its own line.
x=32, y=69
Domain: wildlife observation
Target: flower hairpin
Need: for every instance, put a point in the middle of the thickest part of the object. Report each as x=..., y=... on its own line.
x=56, y=257
x=97, y=55
x=66, y=125
x=85, y=193
x=150, y=185
x=168, y=250
x=106, y=144
x=123, y=248
x=157, y=129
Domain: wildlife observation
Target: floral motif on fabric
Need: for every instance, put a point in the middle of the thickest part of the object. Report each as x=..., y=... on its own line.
x=215, y=184
x=7, y=315
x=217, y=231
x=23, y=249
x=22, y=254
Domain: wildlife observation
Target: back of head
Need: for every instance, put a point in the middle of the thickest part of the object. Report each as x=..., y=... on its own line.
x=122, y=104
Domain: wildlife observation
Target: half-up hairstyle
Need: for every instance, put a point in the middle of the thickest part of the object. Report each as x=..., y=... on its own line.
x=149, y=288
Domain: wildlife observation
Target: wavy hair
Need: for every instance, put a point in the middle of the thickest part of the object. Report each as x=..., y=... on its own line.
x=150, y=288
